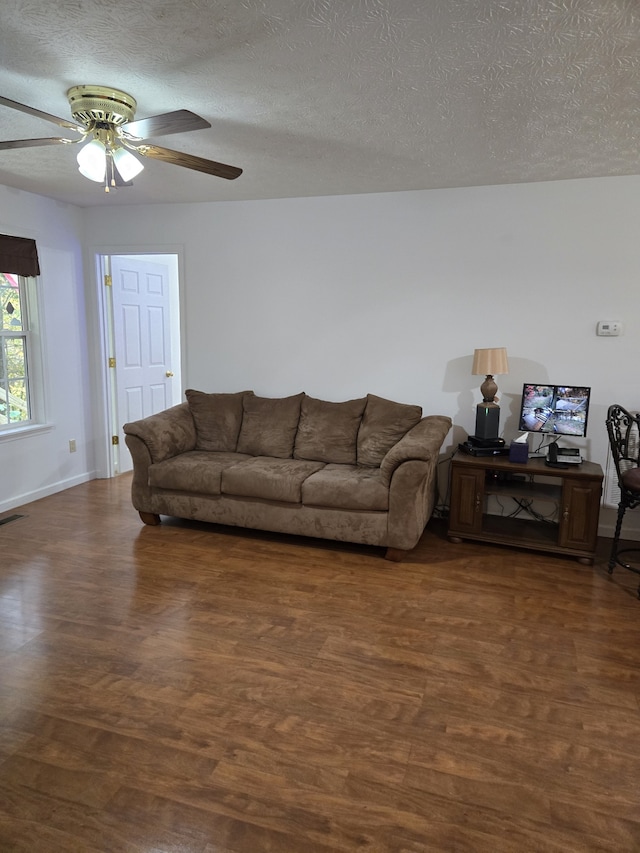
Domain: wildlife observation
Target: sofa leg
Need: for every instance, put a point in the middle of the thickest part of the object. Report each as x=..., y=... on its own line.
x=396, y=555
x=149, y=518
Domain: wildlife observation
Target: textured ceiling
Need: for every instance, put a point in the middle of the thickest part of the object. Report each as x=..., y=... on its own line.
x=319, y=97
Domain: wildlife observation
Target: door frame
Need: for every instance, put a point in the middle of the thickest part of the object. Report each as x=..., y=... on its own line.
x=101, y=322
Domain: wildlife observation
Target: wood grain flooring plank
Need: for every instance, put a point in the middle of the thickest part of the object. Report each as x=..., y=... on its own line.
x=191, y=688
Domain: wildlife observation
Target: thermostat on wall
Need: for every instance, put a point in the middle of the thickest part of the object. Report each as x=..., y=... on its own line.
x=609, y=327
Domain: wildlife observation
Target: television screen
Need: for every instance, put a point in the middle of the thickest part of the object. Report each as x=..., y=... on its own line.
x=556, y=409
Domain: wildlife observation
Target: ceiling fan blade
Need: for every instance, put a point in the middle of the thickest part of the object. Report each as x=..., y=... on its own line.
x=189, y=161
x=23, y=108
x=35, y=143
x=179, y=121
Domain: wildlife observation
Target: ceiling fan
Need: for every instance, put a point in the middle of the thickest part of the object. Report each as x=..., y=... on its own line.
x=104, y=120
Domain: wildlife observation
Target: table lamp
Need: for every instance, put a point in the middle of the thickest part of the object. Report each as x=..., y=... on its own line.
x=488, y=362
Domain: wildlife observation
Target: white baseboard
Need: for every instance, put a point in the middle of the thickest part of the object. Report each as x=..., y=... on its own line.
x=630, y=524
x=52, y=489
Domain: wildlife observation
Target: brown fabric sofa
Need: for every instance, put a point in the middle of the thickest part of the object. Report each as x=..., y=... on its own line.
x=359, y=471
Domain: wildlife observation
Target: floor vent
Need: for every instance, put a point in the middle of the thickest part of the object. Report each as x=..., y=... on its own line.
x=9, y=518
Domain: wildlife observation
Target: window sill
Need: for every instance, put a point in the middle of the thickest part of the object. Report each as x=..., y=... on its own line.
x=24, y=432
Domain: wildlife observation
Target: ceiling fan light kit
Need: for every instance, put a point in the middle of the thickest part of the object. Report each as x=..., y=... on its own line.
x=92, y=161
x=105, y=118
x=128, y=165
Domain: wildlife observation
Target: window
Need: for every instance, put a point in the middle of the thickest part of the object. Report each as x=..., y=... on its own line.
x=15, y=401
x=21, y=366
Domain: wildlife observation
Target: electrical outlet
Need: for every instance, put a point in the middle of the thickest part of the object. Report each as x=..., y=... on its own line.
x=72, y=445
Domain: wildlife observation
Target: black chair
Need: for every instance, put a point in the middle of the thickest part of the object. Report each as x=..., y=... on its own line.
x=623, y=429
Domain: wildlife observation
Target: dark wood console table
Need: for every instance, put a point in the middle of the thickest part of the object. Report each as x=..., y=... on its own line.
x=575, y=490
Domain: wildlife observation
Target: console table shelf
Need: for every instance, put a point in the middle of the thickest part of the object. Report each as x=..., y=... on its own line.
x=524, y=490
x=576, y=491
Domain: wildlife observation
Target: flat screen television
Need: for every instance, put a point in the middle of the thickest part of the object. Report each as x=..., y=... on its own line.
x=555, y=409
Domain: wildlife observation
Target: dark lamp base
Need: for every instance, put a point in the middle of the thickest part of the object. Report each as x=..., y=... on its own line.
x=487, y=420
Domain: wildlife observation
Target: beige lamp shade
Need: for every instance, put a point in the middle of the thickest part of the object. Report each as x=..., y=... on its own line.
x=489, y=362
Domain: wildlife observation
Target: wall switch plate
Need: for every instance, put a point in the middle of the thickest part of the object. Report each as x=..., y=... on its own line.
x=72, y=445
x=609, y=328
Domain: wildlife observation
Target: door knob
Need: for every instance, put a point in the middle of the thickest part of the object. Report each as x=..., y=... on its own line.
x=169, y=374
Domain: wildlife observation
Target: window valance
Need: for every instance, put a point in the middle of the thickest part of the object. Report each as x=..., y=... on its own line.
x=18, y=255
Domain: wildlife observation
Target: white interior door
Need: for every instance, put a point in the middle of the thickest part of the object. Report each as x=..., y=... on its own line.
x=142, y=346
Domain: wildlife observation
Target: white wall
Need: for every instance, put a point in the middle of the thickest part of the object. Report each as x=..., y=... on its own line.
x=34, y=465
x=387, y=293
x=390, y=293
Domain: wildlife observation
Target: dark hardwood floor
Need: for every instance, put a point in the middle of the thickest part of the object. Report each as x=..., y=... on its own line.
x=194, y=689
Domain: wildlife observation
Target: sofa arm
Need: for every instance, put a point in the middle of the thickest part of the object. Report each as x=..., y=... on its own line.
x=412, y=467
x=422, y=443
x=165, y=434
x=153, y=439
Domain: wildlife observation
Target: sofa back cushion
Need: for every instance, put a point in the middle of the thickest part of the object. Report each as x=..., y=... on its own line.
x=218, y=418
x=269, y=425
x=328, y=432
x=384, y=423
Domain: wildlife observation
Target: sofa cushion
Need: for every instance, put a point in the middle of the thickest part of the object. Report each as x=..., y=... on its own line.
x=218, y=418
x=383, y=424
x=269, y=425
x=196, y=471
x=327, y=432
x=346, y=487
x=268, y=478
